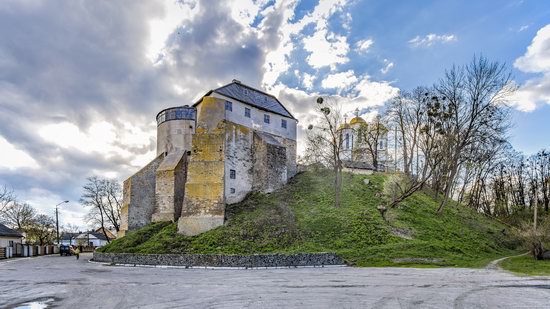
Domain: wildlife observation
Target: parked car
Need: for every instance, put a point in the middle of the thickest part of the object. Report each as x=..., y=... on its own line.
x=65, y=250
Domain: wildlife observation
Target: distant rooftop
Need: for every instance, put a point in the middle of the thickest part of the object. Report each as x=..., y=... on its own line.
x=6, y=231
x=251, y=96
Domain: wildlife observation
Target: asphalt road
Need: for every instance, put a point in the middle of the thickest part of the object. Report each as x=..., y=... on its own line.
x=80, y=284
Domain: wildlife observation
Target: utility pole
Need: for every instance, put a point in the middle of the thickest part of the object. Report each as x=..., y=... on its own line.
x=57, y=220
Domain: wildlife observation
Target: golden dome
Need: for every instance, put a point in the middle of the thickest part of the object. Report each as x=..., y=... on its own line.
x=344, y=126
x=357, y=120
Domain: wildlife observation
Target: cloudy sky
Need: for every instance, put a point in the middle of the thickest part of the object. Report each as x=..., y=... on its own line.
x=81, y=81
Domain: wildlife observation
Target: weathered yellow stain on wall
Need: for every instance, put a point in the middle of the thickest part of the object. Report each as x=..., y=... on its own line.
x=204, y=205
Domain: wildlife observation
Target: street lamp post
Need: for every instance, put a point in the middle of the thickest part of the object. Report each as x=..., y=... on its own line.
x=57, y=220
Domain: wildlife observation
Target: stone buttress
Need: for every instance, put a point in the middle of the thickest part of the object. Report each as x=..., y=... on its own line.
x=204, y=204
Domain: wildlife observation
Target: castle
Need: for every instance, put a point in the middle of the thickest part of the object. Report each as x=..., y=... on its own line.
x=234, y=140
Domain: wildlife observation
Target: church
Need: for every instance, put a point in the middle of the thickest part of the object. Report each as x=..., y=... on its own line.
x=364, y=146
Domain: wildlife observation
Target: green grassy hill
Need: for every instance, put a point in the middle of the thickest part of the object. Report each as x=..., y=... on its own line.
x=301, y=218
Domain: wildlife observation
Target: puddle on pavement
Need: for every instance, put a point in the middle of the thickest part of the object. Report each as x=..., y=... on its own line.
x=42, y=303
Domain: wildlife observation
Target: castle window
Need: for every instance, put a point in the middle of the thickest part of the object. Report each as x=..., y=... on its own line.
x=266, y=118
x=232, y=174
x=247, y=112
x=232, y=190
x=381, y=145
x=283, y=123
x=228, y=106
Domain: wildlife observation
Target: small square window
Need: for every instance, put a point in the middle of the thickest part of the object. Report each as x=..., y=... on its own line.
x=232, y=174
x=266, y=118
x=228, y=106
x=232, y=190
x=283, y=123
x=247, y=112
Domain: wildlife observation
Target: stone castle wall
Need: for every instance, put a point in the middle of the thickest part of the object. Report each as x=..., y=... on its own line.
x=170, y=187
x=138, y=202
x=238, y=157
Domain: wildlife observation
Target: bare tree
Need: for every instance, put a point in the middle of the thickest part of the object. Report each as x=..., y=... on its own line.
x=7, y=197
x=472, y=112
x=429, y=140
x=19, y=215
x=41, y=230
x=103, y=196
x=370, y=135
x=113, y=196
x=405, y=112
x=325, y=140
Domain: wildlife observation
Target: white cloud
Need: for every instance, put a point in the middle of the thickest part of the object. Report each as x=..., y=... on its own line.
x=245, y=11
x=322, y=43
x=307, y=80
x=326, y=49
x=535, y=60
x=388, y=65
x=537, y=57
x=340, y=80
x=175, y=12
x=276, y=29
x=523, y=28
x=101, y=138
x=432, y=38
x=363, y=46
x=373, y=93
x=13, y=158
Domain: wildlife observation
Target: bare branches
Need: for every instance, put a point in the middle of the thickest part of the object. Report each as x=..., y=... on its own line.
x=103, y=196
x=7, y=197
x=19, y=215
x=471, y=113
x=324, y=141
x=41, y=230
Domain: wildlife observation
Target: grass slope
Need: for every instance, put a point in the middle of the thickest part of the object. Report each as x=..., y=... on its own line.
x=301, y=218
x=526, y=265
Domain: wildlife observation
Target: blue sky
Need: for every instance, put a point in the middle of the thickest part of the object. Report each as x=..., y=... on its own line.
x=81, y=81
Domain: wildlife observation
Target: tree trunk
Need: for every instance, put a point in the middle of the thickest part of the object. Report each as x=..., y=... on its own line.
x=337, y=186
x=448, y=188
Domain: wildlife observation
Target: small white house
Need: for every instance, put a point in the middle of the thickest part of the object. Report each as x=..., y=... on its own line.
x=8, y=240
x=92, y=239
x=69, y=239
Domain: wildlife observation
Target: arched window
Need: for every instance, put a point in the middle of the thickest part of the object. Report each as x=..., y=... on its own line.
x=347, y=140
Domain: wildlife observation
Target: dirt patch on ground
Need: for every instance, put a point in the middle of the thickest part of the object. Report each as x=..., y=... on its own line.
x=402, y=232
x=417, y=260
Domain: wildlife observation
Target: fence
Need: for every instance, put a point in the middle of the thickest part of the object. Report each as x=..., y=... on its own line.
x=26, y=250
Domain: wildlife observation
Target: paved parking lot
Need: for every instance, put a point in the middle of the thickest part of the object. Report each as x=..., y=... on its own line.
x=79, y=284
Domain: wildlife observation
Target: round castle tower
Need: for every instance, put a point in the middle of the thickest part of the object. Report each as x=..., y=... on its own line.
x=175, y=127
